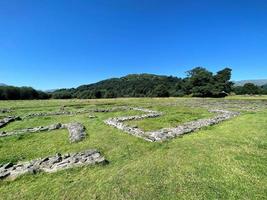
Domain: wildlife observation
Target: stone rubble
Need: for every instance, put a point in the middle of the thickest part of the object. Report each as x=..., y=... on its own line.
x=5, y=121
x=188, y=127
x=52, y=163
x=224, y=104
x=64, y=112
x=5, y=110
x=77, y=133
x=76, y=130
x=167, y=133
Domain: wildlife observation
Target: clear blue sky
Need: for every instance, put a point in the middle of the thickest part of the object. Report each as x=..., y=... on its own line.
x=65, y=43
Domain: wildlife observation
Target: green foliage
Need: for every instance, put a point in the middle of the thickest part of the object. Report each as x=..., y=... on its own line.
x=15, y=93
x=200, y=82
x=264, y=89
x=134, y=85
x=251, y=89
x=63, y=94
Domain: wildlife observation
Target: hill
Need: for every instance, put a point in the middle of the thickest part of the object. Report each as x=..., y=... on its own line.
x=200, y=82
x=133, y=85
x=258, y=82
x=16, y=93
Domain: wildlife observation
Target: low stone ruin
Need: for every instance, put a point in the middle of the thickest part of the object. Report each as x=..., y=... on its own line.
x=7, y=120
x=52, y=163
x=43, y=114
x=167, y=133
x=4, y=110
x=64, y=112
x=76, y=130
x=224, y=104
x=77, y=133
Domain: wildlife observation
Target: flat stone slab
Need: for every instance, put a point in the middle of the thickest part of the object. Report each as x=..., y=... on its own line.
x=52, y=163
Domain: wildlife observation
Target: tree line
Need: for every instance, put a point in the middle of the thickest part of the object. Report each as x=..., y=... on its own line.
x=250, y=89
x=199, y=82
x=23, y=93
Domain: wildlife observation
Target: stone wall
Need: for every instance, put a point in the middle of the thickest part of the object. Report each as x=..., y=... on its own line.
x=52, y=163
x=7, y=120
x=84, y=111
x=5, y=110
x=76, y=130
x=167, y=133
x=77, y=133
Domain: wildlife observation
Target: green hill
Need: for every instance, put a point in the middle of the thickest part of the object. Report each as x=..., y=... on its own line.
x=133, y=85
x=199, y=82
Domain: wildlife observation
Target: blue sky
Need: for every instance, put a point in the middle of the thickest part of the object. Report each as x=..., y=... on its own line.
x=65, y=43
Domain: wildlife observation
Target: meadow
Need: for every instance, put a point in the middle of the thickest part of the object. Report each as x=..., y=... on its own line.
x=224, y=161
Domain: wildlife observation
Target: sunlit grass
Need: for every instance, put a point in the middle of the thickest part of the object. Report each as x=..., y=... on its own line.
x=225, y=161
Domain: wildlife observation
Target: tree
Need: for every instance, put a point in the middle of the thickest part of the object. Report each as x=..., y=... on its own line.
x=250, y=88
x=161, y=91
x=200, y=82
x=222, y=84
x=15, y=93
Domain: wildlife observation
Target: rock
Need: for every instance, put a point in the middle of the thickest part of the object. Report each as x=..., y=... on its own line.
x=76, y=131
x=64, y=112
x=54, y=126
x=4, y=174
x=5, y=110
x=166, y=133
x=7, y=120
x=8, y=165
x=54, y=163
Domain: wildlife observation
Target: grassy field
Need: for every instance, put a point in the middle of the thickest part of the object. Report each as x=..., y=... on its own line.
x=226, y=161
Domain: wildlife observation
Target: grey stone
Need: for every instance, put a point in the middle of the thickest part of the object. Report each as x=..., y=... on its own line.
x=54, y=163
x=76, y=131
x=6, y=120
x=4, y=174
x=167, y=133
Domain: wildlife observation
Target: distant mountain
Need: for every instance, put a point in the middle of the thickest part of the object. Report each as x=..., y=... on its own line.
x=258, y=82
x=2, y=84
x=50, y=90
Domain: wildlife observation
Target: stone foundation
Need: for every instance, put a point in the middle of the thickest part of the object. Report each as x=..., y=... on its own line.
x=63, y=112
x=167, y=133
x=76, y=130
x=5, y=110
x=52, y=163
x=7, y=120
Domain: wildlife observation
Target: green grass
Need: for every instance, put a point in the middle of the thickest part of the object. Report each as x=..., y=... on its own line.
x=226, y=161
x=172, y=116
